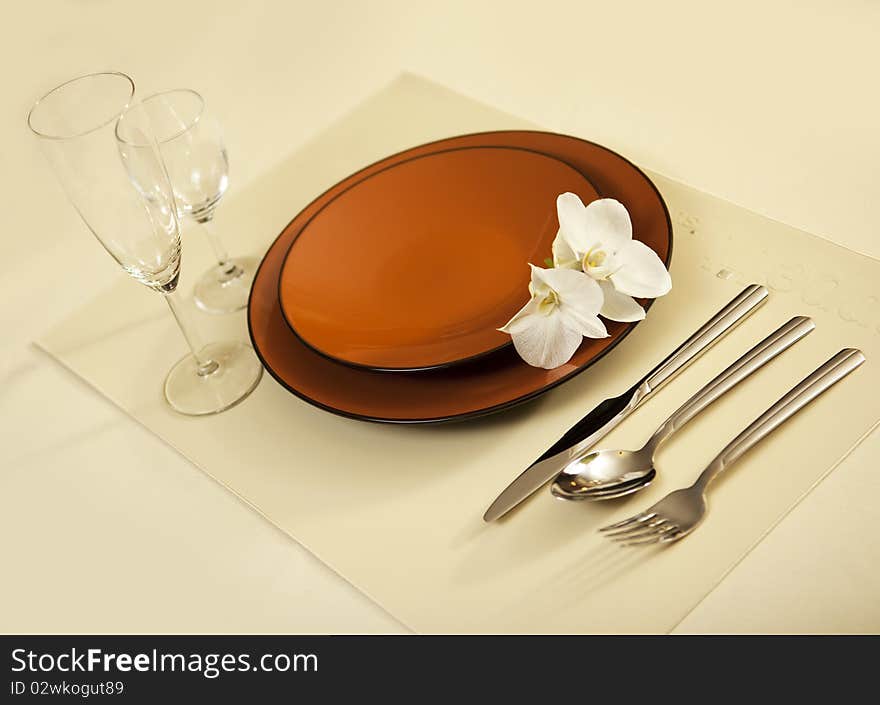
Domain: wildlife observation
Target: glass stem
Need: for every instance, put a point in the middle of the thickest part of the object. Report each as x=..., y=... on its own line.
x=204, y=365
x=228, y=270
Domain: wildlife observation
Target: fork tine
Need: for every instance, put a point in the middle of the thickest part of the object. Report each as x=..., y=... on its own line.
x=673, y=536
x=645, y=542
x=643, y=516
x=639, y=533
x=635, y=527
x=665, y=536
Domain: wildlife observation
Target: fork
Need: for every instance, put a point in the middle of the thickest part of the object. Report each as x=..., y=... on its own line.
x=681, y=511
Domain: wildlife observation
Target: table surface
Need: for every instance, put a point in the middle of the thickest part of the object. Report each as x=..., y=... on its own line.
x=768, y=105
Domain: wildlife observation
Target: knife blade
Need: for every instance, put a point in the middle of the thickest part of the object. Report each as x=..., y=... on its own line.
x=608, y=414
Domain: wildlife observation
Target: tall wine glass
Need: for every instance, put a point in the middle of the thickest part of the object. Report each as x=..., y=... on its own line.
x=75, y=124
x=191, y=143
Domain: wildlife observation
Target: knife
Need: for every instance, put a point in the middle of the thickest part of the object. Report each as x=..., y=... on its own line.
x=607, y=415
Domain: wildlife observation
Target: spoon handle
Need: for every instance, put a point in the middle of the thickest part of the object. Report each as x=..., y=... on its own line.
x=774, y=344
x=797, y=398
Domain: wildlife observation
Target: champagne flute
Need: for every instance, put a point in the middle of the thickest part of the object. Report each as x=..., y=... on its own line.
x=191, y=144
x=75, y=123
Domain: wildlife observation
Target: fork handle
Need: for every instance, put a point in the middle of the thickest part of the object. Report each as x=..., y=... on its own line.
x=774, y=344
x=802, y=394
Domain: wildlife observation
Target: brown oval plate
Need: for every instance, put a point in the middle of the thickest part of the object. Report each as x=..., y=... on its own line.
x=415, y=266
x=486, y=385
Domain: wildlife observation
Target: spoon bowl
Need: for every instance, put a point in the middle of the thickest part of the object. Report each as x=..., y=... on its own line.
x=621, y=490
x=605, y=474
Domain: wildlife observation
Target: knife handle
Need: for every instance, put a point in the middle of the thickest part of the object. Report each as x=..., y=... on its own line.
x=597, y=418
x=734, y=313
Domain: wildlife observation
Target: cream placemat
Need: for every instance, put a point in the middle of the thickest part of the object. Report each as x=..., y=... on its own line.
x=397, y=510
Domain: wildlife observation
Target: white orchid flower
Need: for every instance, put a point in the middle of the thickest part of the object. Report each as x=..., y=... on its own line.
x=563, y=309
x=597, y=239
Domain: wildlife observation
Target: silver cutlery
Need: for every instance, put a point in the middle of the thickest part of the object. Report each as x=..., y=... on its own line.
x=607, y=415
x=596, y=475
x=679, y=513
x=620, y=490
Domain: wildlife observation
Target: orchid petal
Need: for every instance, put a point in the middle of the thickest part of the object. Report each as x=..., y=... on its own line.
x=600, y=269
x=584, y=323
x=563, y=255
x=515, y=322
x=607, y=224
x=544, y=340
x=574, y=288
x=580, y=299
x=619, y=307
x=537, y=286
x=642, y=273
x=572, y=224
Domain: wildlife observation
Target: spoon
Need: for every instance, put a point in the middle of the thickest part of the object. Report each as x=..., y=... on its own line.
x=585, y=486
x=613, y=492
x=606, y=474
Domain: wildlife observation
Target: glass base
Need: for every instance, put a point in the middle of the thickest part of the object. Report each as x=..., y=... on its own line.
x=235, y=375
x=225, y=288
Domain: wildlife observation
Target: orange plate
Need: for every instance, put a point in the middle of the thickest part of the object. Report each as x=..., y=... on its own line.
x=462, y=391
x=416, y=266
